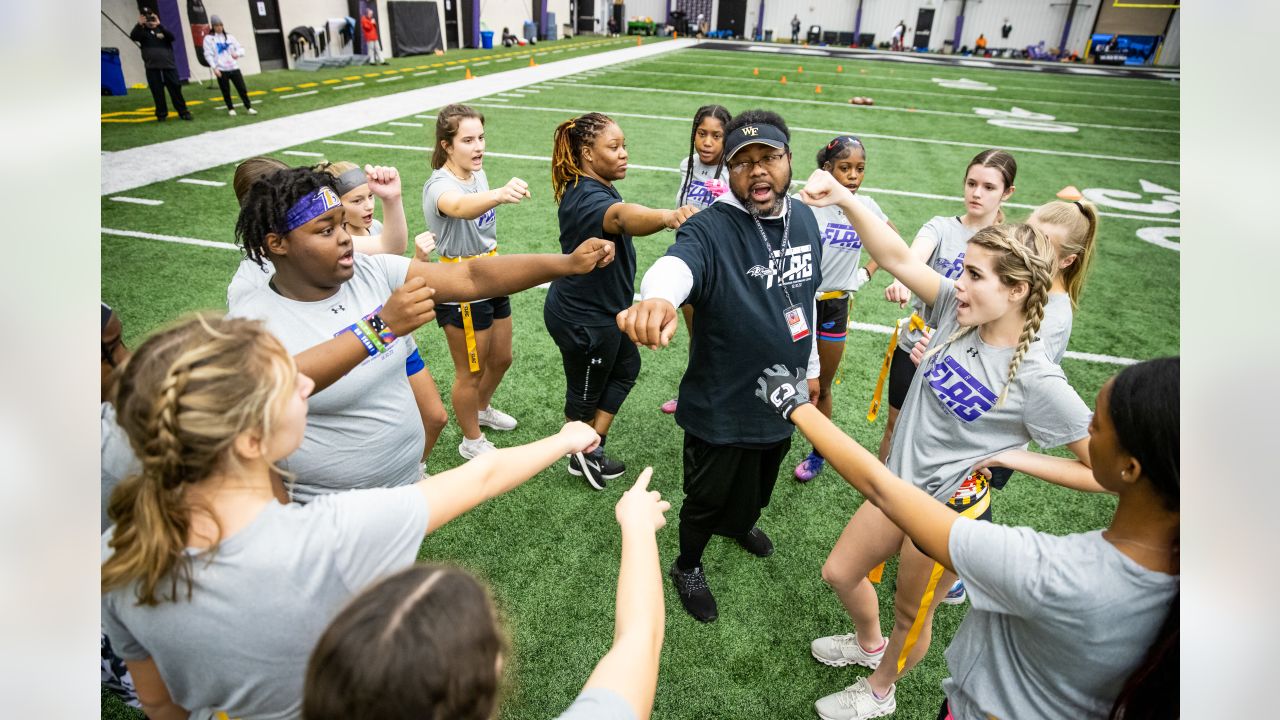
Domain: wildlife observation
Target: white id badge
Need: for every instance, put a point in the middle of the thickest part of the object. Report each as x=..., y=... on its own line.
x=796, y=323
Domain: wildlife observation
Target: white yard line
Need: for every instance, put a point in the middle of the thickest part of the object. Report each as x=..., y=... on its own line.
x=389, y=79
x=198, y=181
x=137, y=201
x=169, y=238
x=298, y=94
x=303, y=153
x=348, y=85
x=425, y=72
x=376, y=132
x=405, y=124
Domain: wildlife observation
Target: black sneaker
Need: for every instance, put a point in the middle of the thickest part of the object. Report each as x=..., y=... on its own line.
x=694, y=593
x=756, y=543
x=591, y=473
x=186, y=116
x=609, y=468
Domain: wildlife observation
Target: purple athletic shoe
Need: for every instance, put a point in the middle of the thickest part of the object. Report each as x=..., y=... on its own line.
x=809, y=468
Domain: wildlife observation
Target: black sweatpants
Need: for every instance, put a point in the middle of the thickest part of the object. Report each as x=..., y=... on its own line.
x=159, y=81
x=224, y=83
x=600, y=366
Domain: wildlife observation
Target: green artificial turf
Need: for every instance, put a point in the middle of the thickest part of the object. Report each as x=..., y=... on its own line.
x=549, y=550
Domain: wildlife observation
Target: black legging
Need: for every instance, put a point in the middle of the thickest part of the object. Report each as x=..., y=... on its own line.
x=224, y=82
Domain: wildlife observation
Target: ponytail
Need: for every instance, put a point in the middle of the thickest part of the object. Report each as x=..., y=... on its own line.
x=566, y=150
x=1079, y=220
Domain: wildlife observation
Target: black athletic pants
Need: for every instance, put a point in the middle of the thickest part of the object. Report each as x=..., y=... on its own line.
x=725, y=488
x=159, y=81
x=600, y=366
x=224, y=83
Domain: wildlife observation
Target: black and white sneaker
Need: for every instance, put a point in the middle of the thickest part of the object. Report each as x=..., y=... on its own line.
x=609, y=467
x=695, y=596
x=590, y=472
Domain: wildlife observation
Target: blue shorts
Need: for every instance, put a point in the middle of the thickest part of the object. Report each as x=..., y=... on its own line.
x=414, y=364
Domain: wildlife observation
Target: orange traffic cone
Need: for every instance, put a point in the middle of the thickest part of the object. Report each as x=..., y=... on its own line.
x=755, y=71
x=1070, y=194
x=531, y=62
x=839, y=68
x=469, y=75
x=675, y=35
x=818, y=89
x=783, y=80
x=639, y=41
x=800, y=69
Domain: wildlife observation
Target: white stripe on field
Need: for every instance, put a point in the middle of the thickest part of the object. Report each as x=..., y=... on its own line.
x=389, y=79
x=425, y=72
x=137, y=201
x=198, y=181
x=654, y=168
x=376, y=132
x=504, y=60
x=349, y=85
x=486, y=62
x=303, y=153
x=1090, y=357
x=300, y=94
x=405, y=124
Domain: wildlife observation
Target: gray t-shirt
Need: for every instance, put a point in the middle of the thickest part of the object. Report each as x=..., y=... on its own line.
x=598, y=704
x=1055, y=328
x=951, y=238
x=457, y=237
x=1057, y=625
x=118, y=460
x=363, y=431
x=841, y=245
x=949, y=419
x=262, y=600
x=697, y=193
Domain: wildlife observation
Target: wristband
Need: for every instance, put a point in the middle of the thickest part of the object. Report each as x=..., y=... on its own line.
x=379, y=326
x=368, y=345
x=370, y=335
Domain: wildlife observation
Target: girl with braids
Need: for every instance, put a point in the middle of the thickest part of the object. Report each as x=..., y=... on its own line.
x=459, y=205
x=1058, y=623
x=845, y=157
x=700, y=174
x=986, y=389
x=213, y=591
x=426, y=642
x=342, y=314
x=988, y=182
x=600, y=363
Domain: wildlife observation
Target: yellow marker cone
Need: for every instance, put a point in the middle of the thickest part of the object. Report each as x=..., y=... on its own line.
x=818, y=89
x=639, y=41
x=1070, y=194
x=675, y=35
x=783, y=80
x=531, y=62
x=839, y=68
x=469, y=75
x=754, y=71
x=799, y=69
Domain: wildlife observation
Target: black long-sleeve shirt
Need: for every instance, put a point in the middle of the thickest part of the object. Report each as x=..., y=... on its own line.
x=157, y=46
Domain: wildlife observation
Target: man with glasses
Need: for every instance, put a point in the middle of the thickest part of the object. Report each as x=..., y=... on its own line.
x=749, y=266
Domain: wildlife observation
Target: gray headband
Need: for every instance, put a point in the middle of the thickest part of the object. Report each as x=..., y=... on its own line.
x=350, y=180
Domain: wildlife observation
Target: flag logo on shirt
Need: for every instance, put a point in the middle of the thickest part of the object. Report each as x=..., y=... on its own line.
x=962, y=394
x=841, y=237
x=698, y=194
x=487, y=219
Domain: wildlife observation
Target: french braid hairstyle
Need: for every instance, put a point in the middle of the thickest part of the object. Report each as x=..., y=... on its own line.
x=447, y=122
x=422, y=644
x=1080, y=220
x=839, y=149
x=267, y=204
x=566, y=153
x=1022, y=255
x=1003, y=163
x=182, y=399
x=249, y=171
x=719, y=112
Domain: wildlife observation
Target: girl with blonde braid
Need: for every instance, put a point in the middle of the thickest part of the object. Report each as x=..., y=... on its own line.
x=987, y=387
x=213, y=590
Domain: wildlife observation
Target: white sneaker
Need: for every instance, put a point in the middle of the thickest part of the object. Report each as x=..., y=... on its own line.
x=473, y=448
x=856, y=702
x=496, y=419
x=251, y=111
x=842, y=650
x=422, y=471
x=231, y=112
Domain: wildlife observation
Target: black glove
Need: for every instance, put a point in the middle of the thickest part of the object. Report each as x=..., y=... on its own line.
x=782, y=390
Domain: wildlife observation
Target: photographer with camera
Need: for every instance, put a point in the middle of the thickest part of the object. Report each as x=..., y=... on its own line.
x=162, y=71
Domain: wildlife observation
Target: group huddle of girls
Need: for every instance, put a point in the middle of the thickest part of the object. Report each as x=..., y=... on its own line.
x=260, y=563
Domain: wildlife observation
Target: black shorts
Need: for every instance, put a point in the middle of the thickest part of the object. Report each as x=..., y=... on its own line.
x=833, y=319
x=483, y=313
x=601, y=365
x=726, y=486
x=901, y=370
x=974, y=492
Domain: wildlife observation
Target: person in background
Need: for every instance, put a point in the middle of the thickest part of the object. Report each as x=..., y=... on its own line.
x=372, y=40
x=795, y=29
x=221, y=51
x=156, y=42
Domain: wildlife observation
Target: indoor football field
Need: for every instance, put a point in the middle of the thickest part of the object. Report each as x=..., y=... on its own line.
x=549, y=550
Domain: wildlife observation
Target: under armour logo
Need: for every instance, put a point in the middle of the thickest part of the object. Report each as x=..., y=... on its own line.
x=973, y=352
x=751, y=130
x=338, y=309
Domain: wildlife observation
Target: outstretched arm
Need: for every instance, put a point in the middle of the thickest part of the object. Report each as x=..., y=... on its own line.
x=630, y=668
x=884, y=245
x=453, y=492
x=384, y=183
x=470, y=206
x=509, y=274
x=1075, y=474
x=638, y=220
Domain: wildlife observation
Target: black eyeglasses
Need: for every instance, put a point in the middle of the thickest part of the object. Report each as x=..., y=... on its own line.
x=767, y=162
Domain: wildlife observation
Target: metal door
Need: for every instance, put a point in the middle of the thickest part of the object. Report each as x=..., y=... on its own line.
x=267, y=33
x=732, y=16
x=924, y=28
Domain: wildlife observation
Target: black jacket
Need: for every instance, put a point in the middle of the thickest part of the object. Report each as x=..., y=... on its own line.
x=157, y=46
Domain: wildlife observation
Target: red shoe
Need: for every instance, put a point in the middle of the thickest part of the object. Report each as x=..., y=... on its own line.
x=669, y=406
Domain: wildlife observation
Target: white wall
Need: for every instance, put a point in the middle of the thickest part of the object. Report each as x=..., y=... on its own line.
x=1170, y=52
x=1032, y=20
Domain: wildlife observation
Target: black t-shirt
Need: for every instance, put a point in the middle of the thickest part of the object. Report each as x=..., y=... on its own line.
x=594, y=299
x=740, y=326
